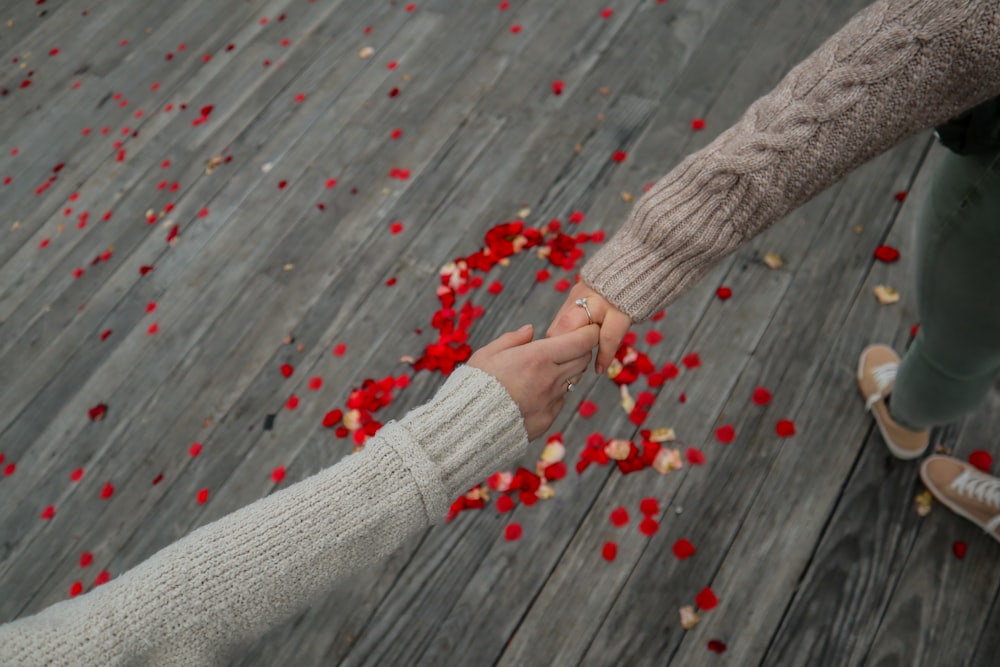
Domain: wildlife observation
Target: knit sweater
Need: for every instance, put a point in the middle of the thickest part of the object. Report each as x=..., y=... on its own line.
x=198, y=600
x=898, y=67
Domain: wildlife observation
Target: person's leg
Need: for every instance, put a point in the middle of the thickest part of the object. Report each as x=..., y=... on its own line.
x=955, y=358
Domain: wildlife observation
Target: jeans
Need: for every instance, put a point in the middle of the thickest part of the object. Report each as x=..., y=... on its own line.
x=955, y=357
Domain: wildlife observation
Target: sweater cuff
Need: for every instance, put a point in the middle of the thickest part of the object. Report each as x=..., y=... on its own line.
x=470, y=430
x=673, y=237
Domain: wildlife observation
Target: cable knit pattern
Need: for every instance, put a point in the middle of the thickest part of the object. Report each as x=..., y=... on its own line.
x=898, y=67
x=224, y=585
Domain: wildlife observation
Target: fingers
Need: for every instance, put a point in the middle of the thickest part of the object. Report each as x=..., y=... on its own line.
x=569, y=346
x=613, y=330
x=511, y=339
x=566, y=320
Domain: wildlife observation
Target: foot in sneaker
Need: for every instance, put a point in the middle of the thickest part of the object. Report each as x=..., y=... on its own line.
x=965, y=491
x=876, y=377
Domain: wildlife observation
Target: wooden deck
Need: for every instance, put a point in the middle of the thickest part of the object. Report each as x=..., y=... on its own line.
x=812, y=543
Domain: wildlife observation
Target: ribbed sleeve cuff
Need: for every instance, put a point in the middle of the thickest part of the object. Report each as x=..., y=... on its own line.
x=471, y=429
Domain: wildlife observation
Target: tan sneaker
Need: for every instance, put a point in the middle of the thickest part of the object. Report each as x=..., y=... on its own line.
x=876, y=376
x=965, y=491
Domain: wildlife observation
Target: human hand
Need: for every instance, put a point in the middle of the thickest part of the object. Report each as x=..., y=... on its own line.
x=536, y=374
x=614, y=323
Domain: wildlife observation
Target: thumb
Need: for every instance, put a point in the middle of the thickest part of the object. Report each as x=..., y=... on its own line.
x=522, y=336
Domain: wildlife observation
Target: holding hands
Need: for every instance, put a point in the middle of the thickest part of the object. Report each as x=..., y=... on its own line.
x=538, y=374
x=613, y=323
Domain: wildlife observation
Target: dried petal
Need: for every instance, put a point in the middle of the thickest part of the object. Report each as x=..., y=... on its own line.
x=689, y=617
x=885, y=294
x=773, y=260
x=668, y=460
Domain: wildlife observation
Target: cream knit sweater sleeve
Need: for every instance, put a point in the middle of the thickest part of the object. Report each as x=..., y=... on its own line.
x=224, y=585
x=897, y=67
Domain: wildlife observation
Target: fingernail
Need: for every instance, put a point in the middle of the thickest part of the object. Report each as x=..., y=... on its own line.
x=524, y=328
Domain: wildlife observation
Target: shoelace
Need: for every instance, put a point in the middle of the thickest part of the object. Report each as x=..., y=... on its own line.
x=883, y=375
x=980, y=487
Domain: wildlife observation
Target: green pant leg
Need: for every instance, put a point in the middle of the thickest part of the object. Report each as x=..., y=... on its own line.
x=956, y=355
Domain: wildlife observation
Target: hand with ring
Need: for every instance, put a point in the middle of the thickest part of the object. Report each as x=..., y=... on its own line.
x=585, y=306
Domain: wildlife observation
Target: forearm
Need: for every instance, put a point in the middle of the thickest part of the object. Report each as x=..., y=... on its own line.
x=896, y=68
x=230, y=581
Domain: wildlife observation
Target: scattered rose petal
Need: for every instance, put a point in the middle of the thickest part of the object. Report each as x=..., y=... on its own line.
x=653, y=337
x=107, y=491
x=202, y=497
x=619, y=156
x=102, y=578
x=716, y=646
x=610, y=551
x=587, y=408
x=901, y=195
x=761, y=396
x=75, y=589
x=287, y=370
x=683, y=549
x=698, y=124
x=706, y=599
x=694, y=456
x=86, y=558
x=396, y=228
x=886, y=253
x=785, y=428
x=76, y=475
x=725, y=434
x=278, y=474
x=97, y=412
x=886, y=295
x=958, y=548
x=619, y=516
x=512, y=532
x=723, y=293
x=292, y=402
x=557, y=87
x=691, y=361
x=648, y=526
x=195, y=449
x=982, y=460
x=153, y=328
x=339, y=349
x=315, y=383
x=649, y=506
x=48, y=512
x=689, y=617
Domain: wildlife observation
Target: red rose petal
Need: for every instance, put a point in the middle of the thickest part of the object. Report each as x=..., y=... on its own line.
x=107, y=491
x=959, y=549
x=562, y=285
x=315, y=383
x=653, y=337
x=287, y=370
x=195, y=449
x=691, y=361
x=607, y=13
x=202, y=497
x=587, y=409
x=515, y=29
x=512, y=532
x=576, y=217
x=542, y=275
x=610, y=551
x=332, y=418
x=901, y=195
x=86, y=558
x=339, y=349
x=886, y=253
x=723, y=293
x=648, y=526
x=292, y=402
x=396, y=228
x=505, y=503
x=761, y=396
x=9, y=469
x=619, y=516
x=75, y=589
x=557, y=87
x=694, y=456
x=76, y=475
x=716, y=646
x=785, y=428
x=278, y=474
x=495, y=287
x=97, y=412
x=698, y=124
x=725, y=434
x=982, y=460
x=48, y=512
x=619, y=156
x=649, y=506
x=706, y=599
x=102, y=578
x=153, y=328
x=683, y=549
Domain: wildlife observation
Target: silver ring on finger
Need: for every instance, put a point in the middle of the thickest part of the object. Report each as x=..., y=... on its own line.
x=569, y=387
x=582, y=302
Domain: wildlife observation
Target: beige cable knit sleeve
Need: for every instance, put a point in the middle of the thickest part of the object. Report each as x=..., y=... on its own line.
x=897, y=67
x=224, y=585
